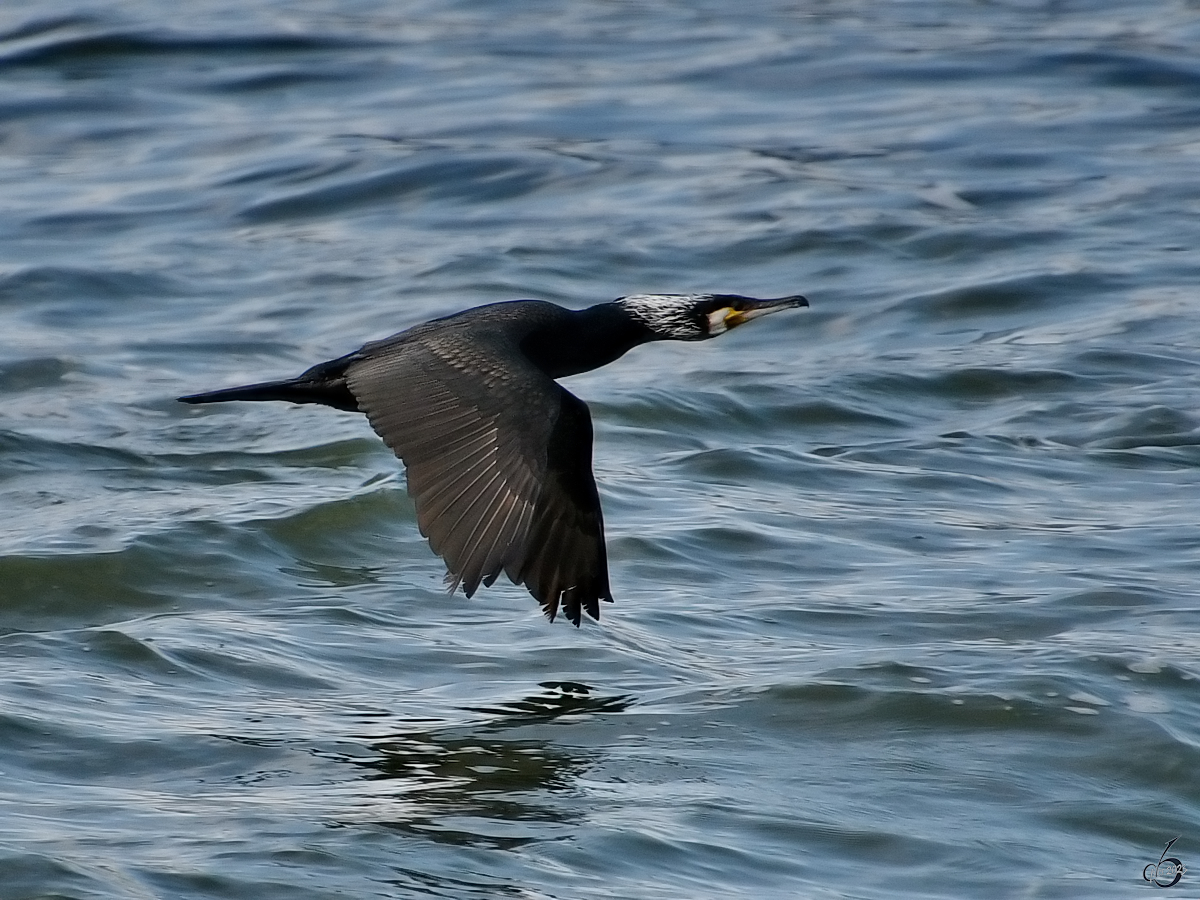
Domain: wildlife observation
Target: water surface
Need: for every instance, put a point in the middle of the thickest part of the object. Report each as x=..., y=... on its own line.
x=905, y=582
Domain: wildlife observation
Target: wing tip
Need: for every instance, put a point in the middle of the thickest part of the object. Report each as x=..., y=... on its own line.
x=574, y=603
x=571, y=602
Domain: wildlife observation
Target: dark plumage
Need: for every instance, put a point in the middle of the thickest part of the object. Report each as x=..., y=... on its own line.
x=499, y=456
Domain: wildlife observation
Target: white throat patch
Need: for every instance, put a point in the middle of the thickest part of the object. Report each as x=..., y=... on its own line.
x=671, y=315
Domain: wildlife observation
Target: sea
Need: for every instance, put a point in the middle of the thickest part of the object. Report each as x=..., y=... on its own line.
x=906, y=583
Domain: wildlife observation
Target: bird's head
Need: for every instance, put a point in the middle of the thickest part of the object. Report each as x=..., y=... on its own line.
x=697, y=317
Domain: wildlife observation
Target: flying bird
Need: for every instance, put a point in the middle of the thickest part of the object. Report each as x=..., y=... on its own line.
x=498, y=454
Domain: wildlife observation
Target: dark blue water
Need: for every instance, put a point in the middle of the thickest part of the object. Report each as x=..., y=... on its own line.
x=906, y=582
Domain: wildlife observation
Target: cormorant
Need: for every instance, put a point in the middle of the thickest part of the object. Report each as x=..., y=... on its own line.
x=499, y=456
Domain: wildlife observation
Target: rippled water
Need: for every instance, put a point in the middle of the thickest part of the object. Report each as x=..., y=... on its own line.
x=906, y=583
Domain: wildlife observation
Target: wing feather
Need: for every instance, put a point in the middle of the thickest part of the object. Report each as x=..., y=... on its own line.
x=499, y=466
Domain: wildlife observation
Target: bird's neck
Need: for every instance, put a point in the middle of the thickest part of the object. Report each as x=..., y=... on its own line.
x=593, y=338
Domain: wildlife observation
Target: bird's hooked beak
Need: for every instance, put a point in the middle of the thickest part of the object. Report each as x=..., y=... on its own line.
x=743, y=309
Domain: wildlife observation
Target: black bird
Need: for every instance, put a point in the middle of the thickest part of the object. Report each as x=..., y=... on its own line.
x=499, y=456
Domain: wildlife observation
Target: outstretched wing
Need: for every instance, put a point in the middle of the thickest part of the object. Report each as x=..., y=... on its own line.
x=499, y=460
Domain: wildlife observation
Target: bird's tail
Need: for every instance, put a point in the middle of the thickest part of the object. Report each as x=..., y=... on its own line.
x=291, y=390
x=328, y=392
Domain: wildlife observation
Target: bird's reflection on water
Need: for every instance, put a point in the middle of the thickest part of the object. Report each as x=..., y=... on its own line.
x=561, y=698
x=475, y=785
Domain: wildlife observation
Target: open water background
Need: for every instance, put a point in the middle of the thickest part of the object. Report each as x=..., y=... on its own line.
x=906, y=583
